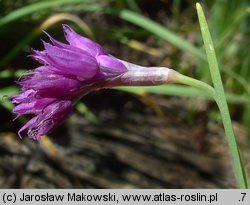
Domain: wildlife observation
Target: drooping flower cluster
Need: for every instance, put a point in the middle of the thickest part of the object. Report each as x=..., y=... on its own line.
x=68, y=72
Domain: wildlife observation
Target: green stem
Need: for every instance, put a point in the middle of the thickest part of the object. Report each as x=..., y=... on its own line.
x=179, y=78
x=221, y=99
x=235, y=154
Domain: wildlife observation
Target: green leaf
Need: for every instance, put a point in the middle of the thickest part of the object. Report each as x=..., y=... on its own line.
x=180, y=90
x=158, y=30
x=26, y=10
x=221, y=99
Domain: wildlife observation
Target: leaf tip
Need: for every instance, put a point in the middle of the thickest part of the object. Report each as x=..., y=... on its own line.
x=198, y=6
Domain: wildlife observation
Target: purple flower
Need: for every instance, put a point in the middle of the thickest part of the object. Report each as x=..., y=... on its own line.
x=68, y=72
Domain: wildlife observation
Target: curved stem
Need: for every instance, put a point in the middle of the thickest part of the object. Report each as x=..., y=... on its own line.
x=179, y=78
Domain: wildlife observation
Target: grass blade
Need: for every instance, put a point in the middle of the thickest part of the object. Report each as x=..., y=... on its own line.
x=23, y=11
x=183, y=91
x=159, y=31
x=221, y=99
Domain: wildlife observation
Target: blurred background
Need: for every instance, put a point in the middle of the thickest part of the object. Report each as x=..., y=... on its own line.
x=156, y=137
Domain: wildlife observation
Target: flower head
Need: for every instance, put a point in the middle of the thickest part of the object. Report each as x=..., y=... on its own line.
x=68, y=72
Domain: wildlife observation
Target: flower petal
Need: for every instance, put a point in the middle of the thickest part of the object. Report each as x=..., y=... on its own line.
x=83, y=43
x=67, y=61
x=52, y=116
x=39, y=56
x=111, y=65
x=27, y=125
x=53, y=86
x=23, y=97
x=34, y=107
